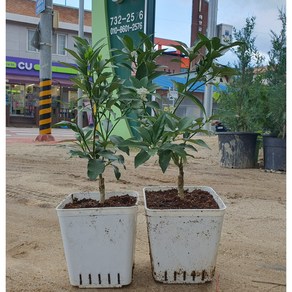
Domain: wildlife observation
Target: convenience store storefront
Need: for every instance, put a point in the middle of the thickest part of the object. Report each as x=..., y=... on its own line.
x=22, y=87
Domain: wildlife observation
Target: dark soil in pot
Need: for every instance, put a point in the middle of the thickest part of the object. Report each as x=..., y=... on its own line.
x=114, y=201
x=169, y=199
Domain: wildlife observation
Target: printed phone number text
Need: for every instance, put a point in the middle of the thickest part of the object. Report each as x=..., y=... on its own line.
x=126, y=28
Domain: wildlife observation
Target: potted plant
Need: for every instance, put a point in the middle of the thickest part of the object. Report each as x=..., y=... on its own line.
x=98, y=229
x=184, y=223
x=274, y=142
x=238, y=105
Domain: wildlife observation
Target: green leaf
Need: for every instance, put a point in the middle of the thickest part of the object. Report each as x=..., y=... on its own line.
x=141, y=71
x=158, y=128
x=196, y=49
x=179, y=86
x=116, y=172
x=67, y=124
x=164, y=159
x=153, y=104
x=171, y=121
x=191, y=147
x=78, y=153
x=128, y=66
x=88, y=133
x=185, y=123
x=234, y=44
x=135, y=143
x=216, y=43
x=205, y=40
x=199, y=142
x=128, y=42
x=182, y=48
x=145, y=134
x=95, y=167
x=135, y=82
x=141, y=158
x=179, y=150
x=117, y=141
x=108, y=155
x=196, y=101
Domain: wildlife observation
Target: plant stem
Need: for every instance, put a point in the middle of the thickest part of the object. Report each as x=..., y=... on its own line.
x=180, y=181
x=179, y=100
x=101, y=189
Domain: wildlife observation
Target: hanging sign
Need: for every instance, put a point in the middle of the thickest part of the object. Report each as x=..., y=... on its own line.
x=40, y=6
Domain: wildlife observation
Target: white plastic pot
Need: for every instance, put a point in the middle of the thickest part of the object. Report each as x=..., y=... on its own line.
x=99, y=243
x=184, y=242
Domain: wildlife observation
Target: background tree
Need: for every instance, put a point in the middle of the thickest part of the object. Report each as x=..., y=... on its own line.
x=237, y=105
x=276, y=81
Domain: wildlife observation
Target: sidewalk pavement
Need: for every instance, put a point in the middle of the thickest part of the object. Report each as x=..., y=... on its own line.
x=28, y=135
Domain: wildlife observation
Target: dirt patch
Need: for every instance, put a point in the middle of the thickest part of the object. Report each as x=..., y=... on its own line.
x=252, y=251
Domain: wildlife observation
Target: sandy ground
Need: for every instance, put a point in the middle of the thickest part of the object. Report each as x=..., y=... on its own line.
x=252, y=253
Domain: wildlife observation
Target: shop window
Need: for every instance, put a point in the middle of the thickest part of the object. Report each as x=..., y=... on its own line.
x=22, y=99
x=30, y=34
x=59, y=44
x=16, y=98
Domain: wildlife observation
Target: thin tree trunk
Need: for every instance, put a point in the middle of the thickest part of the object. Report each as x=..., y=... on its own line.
x=101, y=189
x=180, y=181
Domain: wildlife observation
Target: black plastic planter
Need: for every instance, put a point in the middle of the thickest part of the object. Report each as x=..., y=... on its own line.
x=237, y=149
x=274, y=153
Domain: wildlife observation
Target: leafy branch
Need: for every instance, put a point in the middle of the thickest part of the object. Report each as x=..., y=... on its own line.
x=100, y=86
x=165, y=134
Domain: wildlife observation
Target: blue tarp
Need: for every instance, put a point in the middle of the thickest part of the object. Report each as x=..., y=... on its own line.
x=165, y=82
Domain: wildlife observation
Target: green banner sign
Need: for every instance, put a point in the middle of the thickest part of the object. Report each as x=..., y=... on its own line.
x=113, y=18
x=125, y=18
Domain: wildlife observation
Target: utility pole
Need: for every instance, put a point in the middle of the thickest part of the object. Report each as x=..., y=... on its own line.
x=150, y=22
x=211, y=32
x=45, y=95
x=80, y=34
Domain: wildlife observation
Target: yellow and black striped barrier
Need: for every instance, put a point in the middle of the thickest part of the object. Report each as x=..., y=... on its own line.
x=45, y=111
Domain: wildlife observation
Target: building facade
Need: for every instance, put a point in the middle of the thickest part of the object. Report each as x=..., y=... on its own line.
x=22, y=59
x=171, y=53
x=224, y=32
x=199, y=19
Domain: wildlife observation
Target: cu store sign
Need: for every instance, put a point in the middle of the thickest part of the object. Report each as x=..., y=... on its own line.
x=25, y=66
